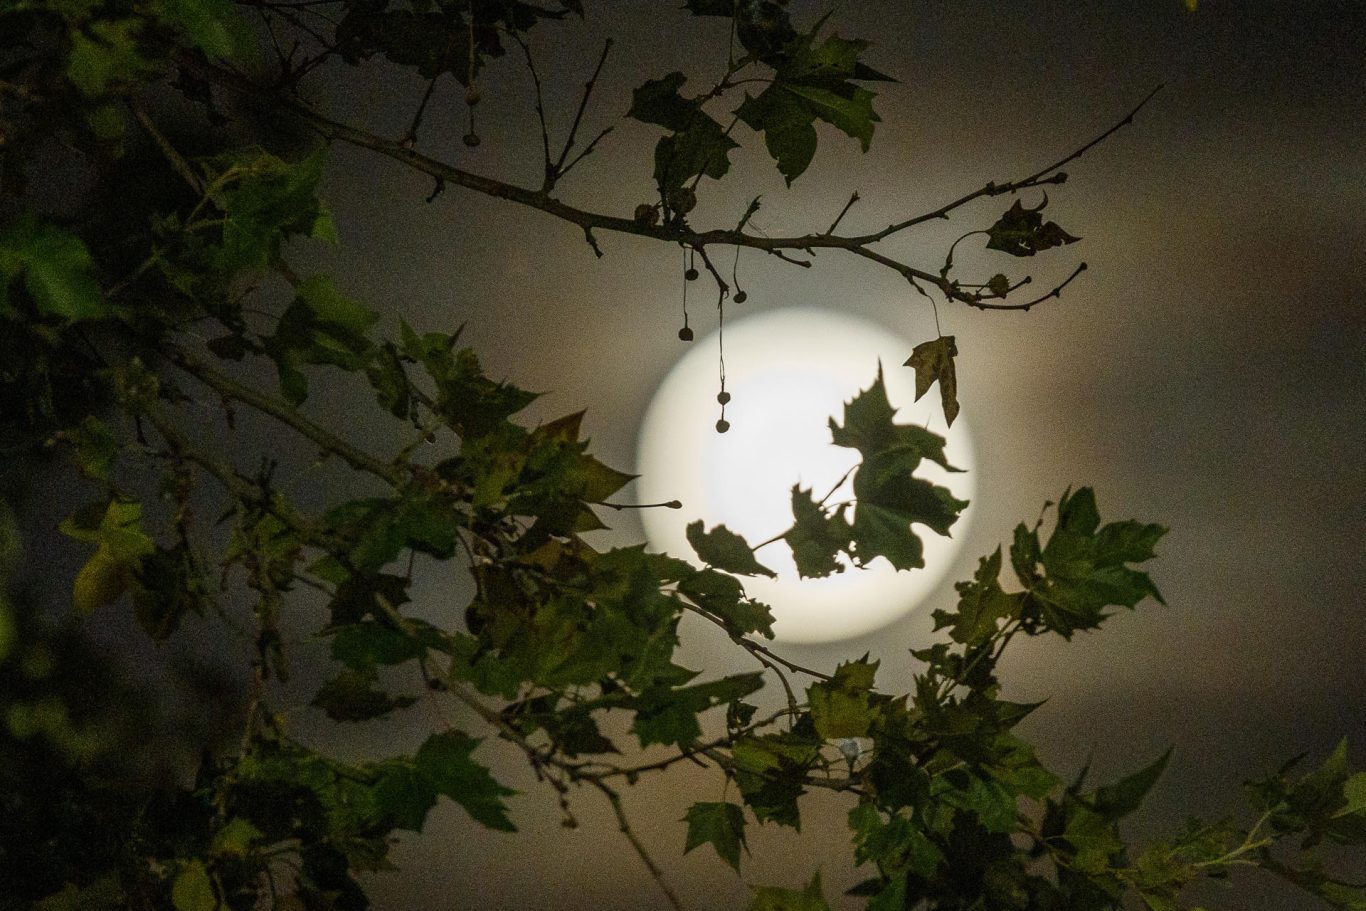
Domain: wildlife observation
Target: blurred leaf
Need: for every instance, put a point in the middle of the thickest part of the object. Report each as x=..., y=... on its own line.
x=193, y=890
x=56, y=268
x=774, y=898
x=350, y=696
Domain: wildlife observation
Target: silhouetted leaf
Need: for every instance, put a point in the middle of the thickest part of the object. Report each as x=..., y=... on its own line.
x=725, y=550
x=1022, y=232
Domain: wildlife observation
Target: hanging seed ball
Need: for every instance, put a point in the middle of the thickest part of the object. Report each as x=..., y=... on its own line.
x=722, y=425
x=685, y=334
x=741, y=297
x=471, y=139
x=723, y=397
x=472, y=95
x=690, y=275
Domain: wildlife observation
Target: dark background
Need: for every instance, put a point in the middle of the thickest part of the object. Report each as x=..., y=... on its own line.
x=1208, y=372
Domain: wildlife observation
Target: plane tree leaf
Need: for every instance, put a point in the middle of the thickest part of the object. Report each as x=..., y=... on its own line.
x=721, y=825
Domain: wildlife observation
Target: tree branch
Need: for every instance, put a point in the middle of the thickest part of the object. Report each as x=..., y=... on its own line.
x=675, y=231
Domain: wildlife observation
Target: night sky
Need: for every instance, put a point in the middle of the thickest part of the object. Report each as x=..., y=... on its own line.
x=1208, y=372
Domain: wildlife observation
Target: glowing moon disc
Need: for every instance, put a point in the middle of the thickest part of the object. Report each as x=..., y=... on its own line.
x=788, y=372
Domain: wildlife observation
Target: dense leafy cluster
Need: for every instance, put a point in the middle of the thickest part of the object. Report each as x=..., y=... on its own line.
x=168, y=286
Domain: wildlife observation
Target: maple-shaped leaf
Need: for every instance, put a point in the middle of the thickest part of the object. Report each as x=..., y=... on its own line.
x=933, y=362
x=722, y=825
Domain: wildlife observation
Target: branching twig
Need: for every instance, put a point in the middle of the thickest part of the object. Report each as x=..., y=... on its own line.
x=561, y=168
x=672, y=231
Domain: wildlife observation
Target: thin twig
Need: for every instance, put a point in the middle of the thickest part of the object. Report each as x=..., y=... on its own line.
x=410, y=137
x=753, y=647
x=560, y=167
x=1056, y=292
x=1042, y=176
x=840, y=217
x=625, y=826
x=548, y=167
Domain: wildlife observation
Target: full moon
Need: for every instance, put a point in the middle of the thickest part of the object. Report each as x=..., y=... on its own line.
x=788, y=372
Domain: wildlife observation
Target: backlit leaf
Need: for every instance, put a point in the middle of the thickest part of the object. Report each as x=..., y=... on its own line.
x=933, y=362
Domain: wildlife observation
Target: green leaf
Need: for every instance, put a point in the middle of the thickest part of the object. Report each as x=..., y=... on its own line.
x=869, y=428
x=843, y=705
x=321, y=326
x=811, y=82
x=1085, y=567
x=982, y=605
x=403, y=795
x=105, y=57
x=897, y=844
x=1092, y=838
x=697, y=144
x=933, y=362
x=724, y=549
x=236, y=838
x=265, y=201
x=365, y=645
x=1354, y=792
x=853, y=114
x=350, y=696
x=445, y=759
x=889, y=498
x=1025, y=555
x=723, y=596
x=775, y=898
x=56, y=268
x=1126, y=795
x=1022, y=232
x=669, y=715
x=210, y=25
x=722, y=825
x=97, y=446
x=193, y=890
x=121, y=545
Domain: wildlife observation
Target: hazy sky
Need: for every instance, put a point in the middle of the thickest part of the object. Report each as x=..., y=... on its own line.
x=1208, y=372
